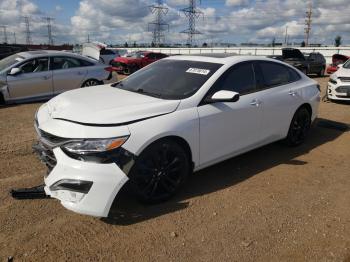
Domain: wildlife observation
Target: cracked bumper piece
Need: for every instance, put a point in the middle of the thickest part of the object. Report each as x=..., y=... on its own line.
x=84, y=187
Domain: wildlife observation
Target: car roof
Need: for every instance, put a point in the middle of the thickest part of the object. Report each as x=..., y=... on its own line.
x=39, y=53
x=221, y=58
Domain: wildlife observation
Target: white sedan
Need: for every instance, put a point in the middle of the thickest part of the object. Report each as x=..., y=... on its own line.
x=339, y=83
x=171, y=118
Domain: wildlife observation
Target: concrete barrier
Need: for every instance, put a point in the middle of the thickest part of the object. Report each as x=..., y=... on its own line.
x=327, y=52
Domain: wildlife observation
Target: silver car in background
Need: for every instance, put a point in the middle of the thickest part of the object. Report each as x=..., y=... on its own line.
x=38, y=75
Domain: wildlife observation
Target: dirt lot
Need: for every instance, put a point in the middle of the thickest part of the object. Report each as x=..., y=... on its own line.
x=272, y=204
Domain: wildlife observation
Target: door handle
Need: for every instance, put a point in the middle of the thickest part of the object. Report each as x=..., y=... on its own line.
x=255, y=102
x=80, y=73
x=46, y=77
x=292, y=93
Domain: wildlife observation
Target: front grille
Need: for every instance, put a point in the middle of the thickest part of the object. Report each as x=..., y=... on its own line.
x=44, y=147
x=46, y=155
x=344, y=79
x=117, y=64
x=345, y=96
x=343, y=89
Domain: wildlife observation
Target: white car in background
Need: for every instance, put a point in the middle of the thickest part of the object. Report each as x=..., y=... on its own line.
x=175, y=116
x=339, y=83
x=38, y=75
x=99, y=51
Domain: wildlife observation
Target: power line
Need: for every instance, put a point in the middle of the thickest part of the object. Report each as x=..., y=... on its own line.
x=308, y=22
x=159, y=26
x=4, y=27
x=49, y=29
x=192, y=13
x=28, y=33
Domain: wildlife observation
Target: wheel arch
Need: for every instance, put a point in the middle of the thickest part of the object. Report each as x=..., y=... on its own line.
x=177, y=139
x=307, y=106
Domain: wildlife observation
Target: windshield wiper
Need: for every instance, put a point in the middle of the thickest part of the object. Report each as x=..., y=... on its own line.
x=120, y=83
x=141, y=91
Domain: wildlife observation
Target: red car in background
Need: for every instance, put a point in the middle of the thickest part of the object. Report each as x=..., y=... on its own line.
x=132, y=62
x=337, y=59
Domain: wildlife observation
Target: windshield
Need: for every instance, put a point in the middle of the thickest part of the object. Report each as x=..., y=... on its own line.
x=9, y=61
x=134, y=55
x=347, y=64
x=170, y=79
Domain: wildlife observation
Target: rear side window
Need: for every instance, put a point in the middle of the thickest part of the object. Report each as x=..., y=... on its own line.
x=85, y=63
x=68, y=62
x=275, y=74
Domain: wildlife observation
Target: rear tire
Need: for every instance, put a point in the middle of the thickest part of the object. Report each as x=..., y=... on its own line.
x=299, y=127
x=91, y=82
x=321, y=73
x=159, y=171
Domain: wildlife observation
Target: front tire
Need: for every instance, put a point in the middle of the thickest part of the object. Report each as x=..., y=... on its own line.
x=159, y=171
x=299, y=127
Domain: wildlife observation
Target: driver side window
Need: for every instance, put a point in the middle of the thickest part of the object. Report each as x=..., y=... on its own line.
x=35, y=65
x=240, y=78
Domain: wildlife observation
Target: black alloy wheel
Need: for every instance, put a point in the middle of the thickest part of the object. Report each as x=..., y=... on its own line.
x=299, y=127
x=91, y=82
x=159, y=171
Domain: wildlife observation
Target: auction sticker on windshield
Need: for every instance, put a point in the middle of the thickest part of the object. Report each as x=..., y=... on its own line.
x=198, y=71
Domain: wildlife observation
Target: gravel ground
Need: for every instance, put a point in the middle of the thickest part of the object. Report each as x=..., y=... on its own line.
x=272, y=204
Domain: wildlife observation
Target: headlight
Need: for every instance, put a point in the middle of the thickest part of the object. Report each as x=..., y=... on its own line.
x=94, y=145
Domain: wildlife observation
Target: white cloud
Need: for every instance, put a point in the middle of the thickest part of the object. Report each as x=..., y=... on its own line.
x=237, y=2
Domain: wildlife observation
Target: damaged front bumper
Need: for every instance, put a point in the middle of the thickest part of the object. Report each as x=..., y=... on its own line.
x=86, y=185
x=105, y=181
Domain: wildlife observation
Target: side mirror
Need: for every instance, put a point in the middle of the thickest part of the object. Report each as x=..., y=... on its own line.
x=15, y=71
x=223, y=96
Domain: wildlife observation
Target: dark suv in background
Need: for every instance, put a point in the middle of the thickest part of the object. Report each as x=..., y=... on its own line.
x=311, y=63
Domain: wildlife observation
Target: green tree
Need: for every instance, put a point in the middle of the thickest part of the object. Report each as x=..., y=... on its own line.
x=337, y=41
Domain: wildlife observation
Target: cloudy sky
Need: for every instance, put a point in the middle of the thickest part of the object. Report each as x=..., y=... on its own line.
x=117, y=21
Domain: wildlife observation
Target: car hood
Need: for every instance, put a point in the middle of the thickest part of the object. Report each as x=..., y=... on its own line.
x=342, y=72
x=106, y=105
x=124, y=60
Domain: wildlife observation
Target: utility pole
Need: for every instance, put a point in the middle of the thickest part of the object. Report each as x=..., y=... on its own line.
x=4, y=27
x=158, y=25
x=14, y=38
x=286, y=36
x=28, y=33
x=192, y=13
x=88, y=39
x=308, y=22
x=49, y=29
